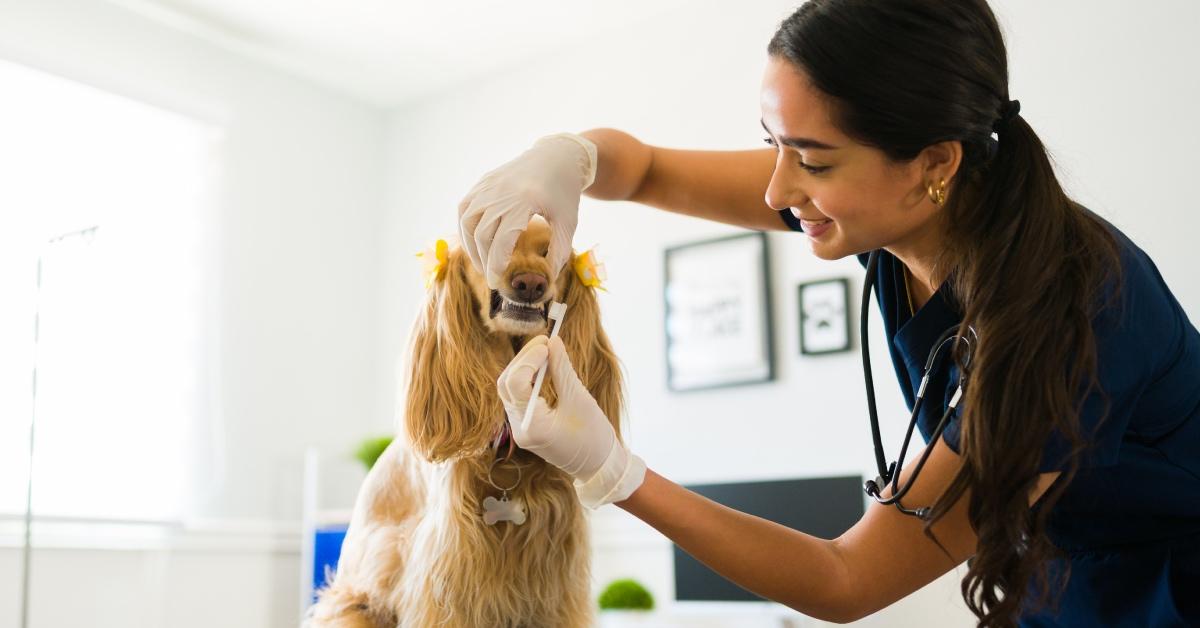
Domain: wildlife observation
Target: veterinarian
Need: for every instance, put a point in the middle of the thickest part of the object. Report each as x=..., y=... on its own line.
x=1062, y=407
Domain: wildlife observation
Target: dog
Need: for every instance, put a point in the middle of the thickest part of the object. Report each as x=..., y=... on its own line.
x=418, y=552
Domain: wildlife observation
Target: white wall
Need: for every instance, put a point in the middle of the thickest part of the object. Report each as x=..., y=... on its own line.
x=1114, y=105
x=295, y=318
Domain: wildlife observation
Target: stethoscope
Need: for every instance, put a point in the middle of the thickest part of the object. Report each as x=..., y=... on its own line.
x=889, y=474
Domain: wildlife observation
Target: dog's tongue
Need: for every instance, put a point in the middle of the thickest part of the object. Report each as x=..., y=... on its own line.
x=503, y=437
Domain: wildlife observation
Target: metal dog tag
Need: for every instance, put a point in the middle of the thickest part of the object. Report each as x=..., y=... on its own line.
x=502, y=509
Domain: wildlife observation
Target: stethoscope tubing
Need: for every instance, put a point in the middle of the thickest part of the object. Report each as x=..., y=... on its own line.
x=889, y=474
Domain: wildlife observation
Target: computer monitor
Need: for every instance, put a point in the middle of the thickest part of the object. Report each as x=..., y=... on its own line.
x=822, y=507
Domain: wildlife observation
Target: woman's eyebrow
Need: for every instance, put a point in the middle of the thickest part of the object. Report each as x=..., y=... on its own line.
x=799, y=142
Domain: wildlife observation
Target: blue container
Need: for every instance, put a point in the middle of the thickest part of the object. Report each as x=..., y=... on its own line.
x=326, y=550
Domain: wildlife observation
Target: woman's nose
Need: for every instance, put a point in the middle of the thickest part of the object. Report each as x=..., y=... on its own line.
x=782, y=192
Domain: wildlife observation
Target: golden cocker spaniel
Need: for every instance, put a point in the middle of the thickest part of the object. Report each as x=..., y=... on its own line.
x=419, y=552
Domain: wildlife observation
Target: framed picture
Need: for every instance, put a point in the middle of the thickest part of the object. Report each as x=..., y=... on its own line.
x=824, y=316
x=718, y=313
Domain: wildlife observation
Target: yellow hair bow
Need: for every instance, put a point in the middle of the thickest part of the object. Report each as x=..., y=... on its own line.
x=433, y=260
x=589, y=269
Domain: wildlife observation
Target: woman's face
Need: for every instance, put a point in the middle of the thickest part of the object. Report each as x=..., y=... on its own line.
x=850, y=197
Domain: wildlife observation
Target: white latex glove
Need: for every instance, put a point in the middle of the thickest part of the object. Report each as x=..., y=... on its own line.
x=547, y=179
x=574, y=436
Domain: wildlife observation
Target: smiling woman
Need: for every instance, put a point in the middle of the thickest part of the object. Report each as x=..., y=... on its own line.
x=848, y=195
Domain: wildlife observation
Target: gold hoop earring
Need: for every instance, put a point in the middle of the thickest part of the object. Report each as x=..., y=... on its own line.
x=938, y=196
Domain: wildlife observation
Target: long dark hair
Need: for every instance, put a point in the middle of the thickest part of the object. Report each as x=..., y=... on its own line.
x=903, y=75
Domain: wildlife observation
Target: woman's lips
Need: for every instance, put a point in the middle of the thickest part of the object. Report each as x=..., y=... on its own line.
x=814, y=228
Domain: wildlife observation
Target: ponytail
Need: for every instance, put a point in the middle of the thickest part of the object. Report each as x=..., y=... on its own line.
x=1015, y=240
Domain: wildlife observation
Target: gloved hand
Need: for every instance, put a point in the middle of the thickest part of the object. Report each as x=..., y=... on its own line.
x=547, y=179
x=575, y=435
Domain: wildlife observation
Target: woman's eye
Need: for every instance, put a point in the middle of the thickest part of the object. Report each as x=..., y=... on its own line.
x=813, y=169
x=810, y=169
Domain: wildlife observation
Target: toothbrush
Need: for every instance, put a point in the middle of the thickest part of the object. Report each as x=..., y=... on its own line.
x=557, y=312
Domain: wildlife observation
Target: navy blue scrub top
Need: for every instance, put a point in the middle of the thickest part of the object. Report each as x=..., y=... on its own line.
x=1129, y=523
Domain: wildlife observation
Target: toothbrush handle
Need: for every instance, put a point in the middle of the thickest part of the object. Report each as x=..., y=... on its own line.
x=537, y=388
x=537, y=382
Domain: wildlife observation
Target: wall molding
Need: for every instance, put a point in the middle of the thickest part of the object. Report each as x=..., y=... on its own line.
x=208, y=536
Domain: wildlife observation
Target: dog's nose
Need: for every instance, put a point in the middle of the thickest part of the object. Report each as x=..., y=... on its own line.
x=529, y=286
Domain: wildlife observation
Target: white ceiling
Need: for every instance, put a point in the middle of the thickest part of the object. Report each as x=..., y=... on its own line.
x=389, y=52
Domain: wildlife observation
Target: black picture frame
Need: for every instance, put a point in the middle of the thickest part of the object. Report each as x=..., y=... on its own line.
x=717, y=313
x=824, y=316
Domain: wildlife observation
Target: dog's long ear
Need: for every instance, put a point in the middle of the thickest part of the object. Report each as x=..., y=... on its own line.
x=450, y=404
x=589, y=348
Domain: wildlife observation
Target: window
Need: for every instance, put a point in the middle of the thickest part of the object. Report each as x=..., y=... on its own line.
x=108, y=196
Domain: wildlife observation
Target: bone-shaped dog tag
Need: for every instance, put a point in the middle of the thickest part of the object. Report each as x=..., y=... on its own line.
x=502, y=510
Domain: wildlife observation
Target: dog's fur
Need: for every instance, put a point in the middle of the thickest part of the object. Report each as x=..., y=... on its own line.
x=418, y=553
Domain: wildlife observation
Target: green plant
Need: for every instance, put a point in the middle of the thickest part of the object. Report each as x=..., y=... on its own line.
x=370, y=450
x=626, y=594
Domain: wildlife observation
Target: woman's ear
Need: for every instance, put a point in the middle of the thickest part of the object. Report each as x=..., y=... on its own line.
x=589, y=348
x=940, y=161
x=450, y=405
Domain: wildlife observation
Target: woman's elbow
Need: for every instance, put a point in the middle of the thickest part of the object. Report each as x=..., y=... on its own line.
x=834, y=614
x=836, y=606
x=849, y=616
x=839, y=600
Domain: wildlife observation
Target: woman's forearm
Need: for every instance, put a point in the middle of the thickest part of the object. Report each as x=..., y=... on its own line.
x=725, y=186
x=771, y=560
